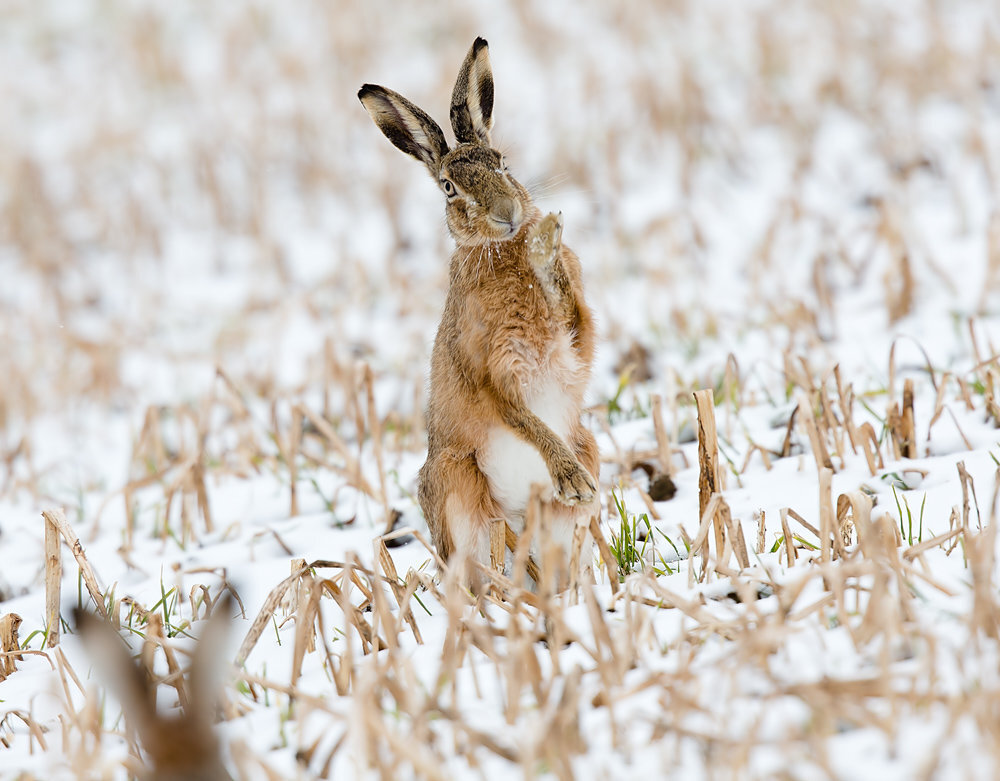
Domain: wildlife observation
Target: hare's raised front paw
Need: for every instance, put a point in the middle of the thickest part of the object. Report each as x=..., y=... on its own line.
x=545, y=241
x=574, y=485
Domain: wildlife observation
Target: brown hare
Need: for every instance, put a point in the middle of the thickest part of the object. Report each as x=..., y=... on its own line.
x=183, y=747
x=514, y=349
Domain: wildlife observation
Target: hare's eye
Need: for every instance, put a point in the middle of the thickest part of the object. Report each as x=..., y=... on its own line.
x=448, y=187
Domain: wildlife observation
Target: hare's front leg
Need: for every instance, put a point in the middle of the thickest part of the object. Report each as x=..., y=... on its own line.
x=544, y=244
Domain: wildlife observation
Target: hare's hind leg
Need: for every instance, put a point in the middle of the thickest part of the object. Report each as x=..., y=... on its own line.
x=457, y=503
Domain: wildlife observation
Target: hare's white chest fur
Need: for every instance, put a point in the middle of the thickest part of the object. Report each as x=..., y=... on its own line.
x=511, y=464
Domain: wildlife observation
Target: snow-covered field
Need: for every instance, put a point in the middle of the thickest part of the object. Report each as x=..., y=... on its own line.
x=218, y=290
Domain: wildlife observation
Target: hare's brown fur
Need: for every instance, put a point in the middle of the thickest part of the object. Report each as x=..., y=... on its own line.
x=513, y=352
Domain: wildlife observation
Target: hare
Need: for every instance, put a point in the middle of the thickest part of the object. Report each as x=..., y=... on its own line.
x=179, y=748
x=515, y=345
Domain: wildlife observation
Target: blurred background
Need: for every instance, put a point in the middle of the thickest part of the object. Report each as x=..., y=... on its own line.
x=219, y=287
x=192, y=186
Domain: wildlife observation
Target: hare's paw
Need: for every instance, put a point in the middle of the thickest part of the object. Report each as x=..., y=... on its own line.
x=545, y=241
x=574, y=485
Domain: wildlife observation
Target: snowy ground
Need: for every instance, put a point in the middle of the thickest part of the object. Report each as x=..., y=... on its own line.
x=218, y=290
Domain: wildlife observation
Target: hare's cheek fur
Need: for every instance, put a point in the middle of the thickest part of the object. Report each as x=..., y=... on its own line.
x=470, y=224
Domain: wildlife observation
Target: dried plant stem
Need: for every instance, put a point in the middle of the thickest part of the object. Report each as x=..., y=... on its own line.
x=790, y=553
x=708, y=463
x=53, y=581
x=58, y=519
x=9, y=644
x=610, y=563
x=826, y=514
x=663, y=450
x=808, y=422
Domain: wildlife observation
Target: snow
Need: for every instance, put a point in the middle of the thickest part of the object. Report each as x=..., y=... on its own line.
x=200, y=227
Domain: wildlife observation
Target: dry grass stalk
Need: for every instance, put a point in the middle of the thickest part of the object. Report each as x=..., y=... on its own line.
x=992, y=259
x=731, y=392
x=53, y=582
x=9, y=644
x=526, y=564
x=966, y=393
x=35, y=730
x=663, y=449
x=370, y=640
x=760, y=545
x=845, y=395
x=861, y=507
x=529, y=534
x=826, y=516
x=888, y=603
x=305, y=622
x=805, y=524
x=402, y=591
x=808, y=422
x=267, y=610
x=845, y=524
x=786, y=445
x=981, y=551
x=197, y=484
x=790, y=553
x=610, y=563
x=708, y=462
x=156, y=637
x=939, y=400
x=968, y=486
x=735, y=534
x=303, y=596
x=498, y=543
x=899, y=420
x=908, y=444
x=918, y=549
x=899, y=283
x=57, y=518
x=351, y=470
x=869, y=445
x=700, y=541
x=831, y=429
x=990, y=395
x=294, y=441
x=581, y=532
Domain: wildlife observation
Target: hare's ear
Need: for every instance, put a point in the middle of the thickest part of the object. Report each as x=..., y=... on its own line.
x=405, y=125
x=472, y=98
x=115, y=666
x=209, y=664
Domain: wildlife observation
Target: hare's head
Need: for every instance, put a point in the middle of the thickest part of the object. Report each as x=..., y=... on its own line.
x=484, y=202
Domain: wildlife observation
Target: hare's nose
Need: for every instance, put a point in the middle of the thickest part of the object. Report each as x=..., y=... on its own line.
x=509, y=211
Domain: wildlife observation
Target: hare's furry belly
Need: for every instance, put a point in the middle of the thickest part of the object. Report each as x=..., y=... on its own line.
x=511, y=464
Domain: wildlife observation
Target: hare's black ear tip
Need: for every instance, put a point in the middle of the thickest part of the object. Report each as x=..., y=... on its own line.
x=82, y=619
x=366, y=90
x=479, y=43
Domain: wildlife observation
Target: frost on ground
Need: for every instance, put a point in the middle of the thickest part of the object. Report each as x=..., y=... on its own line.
x=219, y=288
